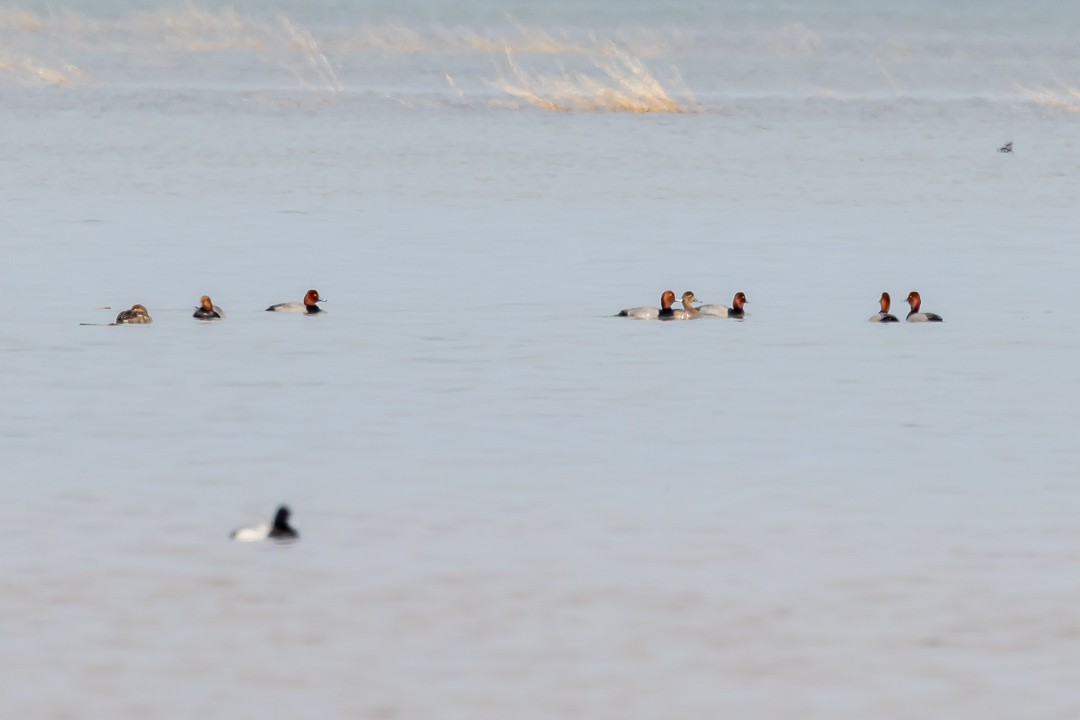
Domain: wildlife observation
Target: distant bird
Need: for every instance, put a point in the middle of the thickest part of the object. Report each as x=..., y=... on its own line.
x=735, y=311
x=651, y=313
x=137, y=315
x=207, y=310
x=884, y=315
x=688, y=311
x=915, y=301
x=308, y=306
x=1007, y=147
x=278, y=530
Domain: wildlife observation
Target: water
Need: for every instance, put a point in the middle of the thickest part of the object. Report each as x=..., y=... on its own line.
x=511, y=503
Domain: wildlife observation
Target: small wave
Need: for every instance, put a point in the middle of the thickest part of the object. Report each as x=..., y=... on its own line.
x=618, y=82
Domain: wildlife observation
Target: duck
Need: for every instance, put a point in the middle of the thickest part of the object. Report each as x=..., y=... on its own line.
x=137, y=315
x=651, y=313
x=735, y=311
x=915, y=316
x=308, y=306
x=884, y=315
x=208, y=310
x=687, y=311
x=279, y=529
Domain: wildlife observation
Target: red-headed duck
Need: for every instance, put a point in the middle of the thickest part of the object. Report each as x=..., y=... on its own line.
x=308, y=306
x=651, y=313
x=208, y=310
x=735, y=311
x=137, y=315
x=915, y=316
x=884, y=315
x=277, y=530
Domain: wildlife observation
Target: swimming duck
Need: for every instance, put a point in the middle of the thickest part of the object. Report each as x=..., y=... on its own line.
x=735, y=311
x=884, y=315
x=915, y=316
x=137, y=315
x=308, y=306
x=688, y=311
x=278, y=530
x=651, y=313
x=207, y=310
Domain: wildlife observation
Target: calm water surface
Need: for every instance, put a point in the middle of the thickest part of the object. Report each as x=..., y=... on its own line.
x=511, y=503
